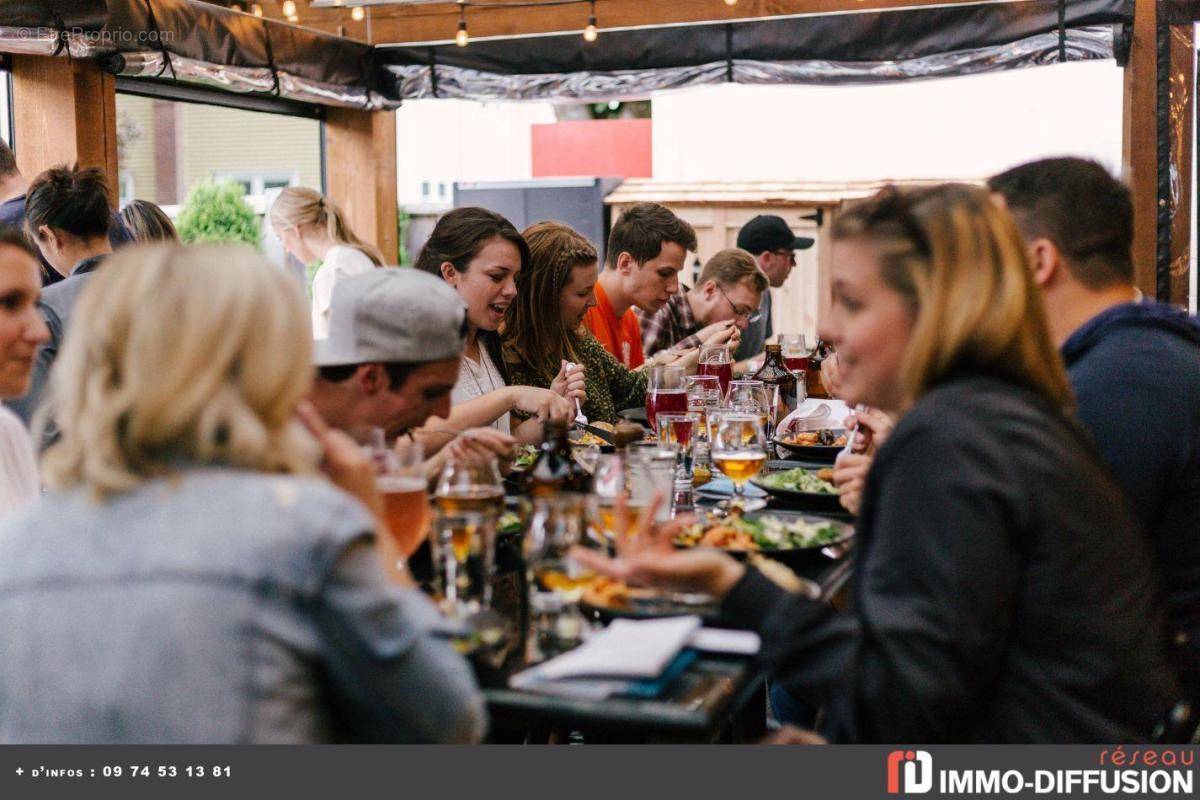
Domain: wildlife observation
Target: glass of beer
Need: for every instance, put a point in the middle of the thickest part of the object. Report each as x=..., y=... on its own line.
x=469, y=499
x=739, y=450
x=556, y=582
x=610, y=493
x=401, y=482
x=717, y=360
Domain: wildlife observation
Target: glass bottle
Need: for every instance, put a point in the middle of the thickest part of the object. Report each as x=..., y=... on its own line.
x=779, y=381
x=555, y=469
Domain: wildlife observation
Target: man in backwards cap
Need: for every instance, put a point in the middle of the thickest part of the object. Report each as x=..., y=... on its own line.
x=395, y=340
x=773, y=245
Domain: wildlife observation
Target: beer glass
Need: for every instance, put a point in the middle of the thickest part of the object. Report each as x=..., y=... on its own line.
x=739, y=450
x=610, y=491
x=469, y=499
x=402, y=484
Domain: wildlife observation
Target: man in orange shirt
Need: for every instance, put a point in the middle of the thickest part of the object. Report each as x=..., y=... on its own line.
x=646, y=251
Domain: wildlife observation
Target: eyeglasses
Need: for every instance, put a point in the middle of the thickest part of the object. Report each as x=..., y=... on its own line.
x=750, y=315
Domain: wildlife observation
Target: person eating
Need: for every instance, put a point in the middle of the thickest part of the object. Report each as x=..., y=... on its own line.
x=545, y=331
x=716, y=311
x=479, y=253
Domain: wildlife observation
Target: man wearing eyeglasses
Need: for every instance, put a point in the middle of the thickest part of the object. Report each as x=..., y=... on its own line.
x=724, y=303
x=772, y=243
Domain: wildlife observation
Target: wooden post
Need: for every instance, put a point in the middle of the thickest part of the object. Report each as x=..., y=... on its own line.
x=1140, y=144
x=64, y=112
x=360, y=168
x=1181, y=108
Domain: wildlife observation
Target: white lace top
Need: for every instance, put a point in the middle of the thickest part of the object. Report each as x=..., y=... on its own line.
x=477, y=378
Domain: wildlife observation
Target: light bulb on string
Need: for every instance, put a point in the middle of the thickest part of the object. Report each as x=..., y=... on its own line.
x=257, y=10
x=289, y=8
x=357, y=14
x=731, y=3
x=590, y=33
x=462, y=38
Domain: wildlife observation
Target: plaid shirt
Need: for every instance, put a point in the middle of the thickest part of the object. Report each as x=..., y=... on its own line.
x=672, y=327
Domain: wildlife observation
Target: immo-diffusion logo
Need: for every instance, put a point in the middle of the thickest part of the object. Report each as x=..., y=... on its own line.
x=909, y=772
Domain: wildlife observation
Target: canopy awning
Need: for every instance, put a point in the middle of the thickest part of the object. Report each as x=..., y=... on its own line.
x=199, y=43
x=862, y=47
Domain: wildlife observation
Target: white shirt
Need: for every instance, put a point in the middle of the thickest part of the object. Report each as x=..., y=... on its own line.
x=340, y=262
x=18, y=467
x=477, y=378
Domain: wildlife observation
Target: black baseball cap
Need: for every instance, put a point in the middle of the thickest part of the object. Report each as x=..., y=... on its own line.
x=769, y=232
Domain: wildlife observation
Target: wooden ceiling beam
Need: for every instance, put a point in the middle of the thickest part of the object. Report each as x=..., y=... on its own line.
x=392, y=24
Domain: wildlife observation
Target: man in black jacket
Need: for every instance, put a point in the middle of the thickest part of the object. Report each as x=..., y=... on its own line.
x=1134, y=365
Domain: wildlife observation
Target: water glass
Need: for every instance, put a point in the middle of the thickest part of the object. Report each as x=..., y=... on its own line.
x=556, y=582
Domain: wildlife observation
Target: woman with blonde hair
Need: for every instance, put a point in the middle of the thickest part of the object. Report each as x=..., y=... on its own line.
x=544, y=331
x=1002, y=591
x=190, y=577
x=312, y=228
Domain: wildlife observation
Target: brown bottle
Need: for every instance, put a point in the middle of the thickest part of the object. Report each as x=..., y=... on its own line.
x=556, y=469
x=815, y=386
x=774, y=373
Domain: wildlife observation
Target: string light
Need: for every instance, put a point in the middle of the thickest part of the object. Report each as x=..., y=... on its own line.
x=462, y=38
x=357, y=13
x=731, y=3
x=289, y=8
x=257, y=10
x=590, y=33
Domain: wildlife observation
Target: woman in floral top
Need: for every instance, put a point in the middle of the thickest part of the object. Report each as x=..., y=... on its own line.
x=543, y=329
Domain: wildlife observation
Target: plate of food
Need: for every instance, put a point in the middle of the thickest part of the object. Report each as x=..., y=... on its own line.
x=787, y=537
x=801, y=487
x=823, y=445
x=606, y=599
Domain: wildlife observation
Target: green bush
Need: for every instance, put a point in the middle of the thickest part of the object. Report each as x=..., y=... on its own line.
x=218, y=212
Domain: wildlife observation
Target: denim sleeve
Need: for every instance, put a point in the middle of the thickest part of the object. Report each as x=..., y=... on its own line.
x=392, y=681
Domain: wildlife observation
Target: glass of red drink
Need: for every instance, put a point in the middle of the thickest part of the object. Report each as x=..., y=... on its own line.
x=665, y=393
x=717, y=360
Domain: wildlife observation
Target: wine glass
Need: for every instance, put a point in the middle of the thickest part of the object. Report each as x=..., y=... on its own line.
x=469, y=498
x=610, y=491
x=665, y=393
x=739, y=450
x=717, y=360
x=753, y=397
x=556, y=582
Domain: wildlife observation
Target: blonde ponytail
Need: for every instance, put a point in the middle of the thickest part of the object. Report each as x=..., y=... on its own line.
x=299, y=205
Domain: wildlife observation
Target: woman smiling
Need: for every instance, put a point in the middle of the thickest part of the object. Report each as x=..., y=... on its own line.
x=480, y=254
x=545, y=332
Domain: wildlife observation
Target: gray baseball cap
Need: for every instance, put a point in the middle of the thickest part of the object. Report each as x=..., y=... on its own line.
x=393, y=315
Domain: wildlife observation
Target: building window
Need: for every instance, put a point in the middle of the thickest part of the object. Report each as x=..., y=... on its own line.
x=425, y=190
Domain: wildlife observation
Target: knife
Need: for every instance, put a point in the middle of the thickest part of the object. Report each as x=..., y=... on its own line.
x=600, y=433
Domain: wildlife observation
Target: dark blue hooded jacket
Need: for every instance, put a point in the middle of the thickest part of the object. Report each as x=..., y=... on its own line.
x=1135, y=369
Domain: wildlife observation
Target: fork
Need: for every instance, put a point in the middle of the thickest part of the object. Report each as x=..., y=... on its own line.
x=580, y=417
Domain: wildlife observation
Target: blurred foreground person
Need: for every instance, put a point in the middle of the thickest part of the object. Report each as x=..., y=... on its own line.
x=1134, y=366
x=1002, y=593
x=22, y=331
x=190, y=577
